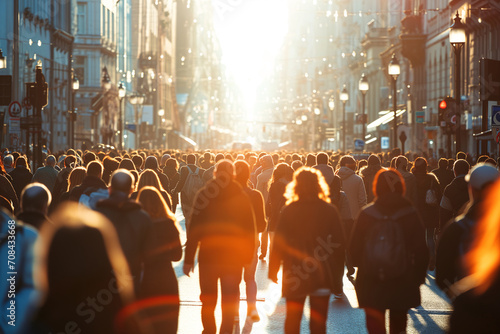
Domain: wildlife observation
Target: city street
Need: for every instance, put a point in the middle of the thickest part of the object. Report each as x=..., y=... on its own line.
x=344, y=316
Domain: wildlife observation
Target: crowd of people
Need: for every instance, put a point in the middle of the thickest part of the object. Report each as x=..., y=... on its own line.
x=91, y=237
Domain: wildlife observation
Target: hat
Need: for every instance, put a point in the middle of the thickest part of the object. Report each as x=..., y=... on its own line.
x=481, y=175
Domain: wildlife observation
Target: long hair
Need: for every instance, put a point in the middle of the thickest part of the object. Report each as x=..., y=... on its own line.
x=282, y=170
x=153, y=203
x=388, y=181
x=76, y=177
x=149, y=178
x=483, y=260
x=308, y=183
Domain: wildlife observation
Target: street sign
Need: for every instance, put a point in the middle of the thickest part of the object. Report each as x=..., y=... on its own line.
x=419, y=116
x=15, y=125
x=495, y=116
x=384, y=143
x=359, y=145
x=14, y=109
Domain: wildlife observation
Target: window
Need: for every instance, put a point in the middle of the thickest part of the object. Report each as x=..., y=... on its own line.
x=79, y=67
x=82, y=17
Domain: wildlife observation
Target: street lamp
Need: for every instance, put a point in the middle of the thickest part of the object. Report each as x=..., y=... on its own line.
x=75, y=85
x=457, y=40
x=344, y=97
x=121, y=96
x=106, y=80
x=3, y=60
x=363, y=87
x=394, y=71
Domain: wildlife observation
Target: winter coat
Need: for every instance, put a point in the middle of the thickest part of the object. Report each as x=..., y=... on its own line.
x=222, y=226
x=428, y=212
x=46, y=175
x=89, y=184
x=354, y=188
x=455, y=196
x=275, y=202
x=451, y=248
x=309, y=242
x=403, y=292
x=444, y=175
x=136, y=234
x=21, y=177
x=368, y=174
x=26, y=296
x=7, y=191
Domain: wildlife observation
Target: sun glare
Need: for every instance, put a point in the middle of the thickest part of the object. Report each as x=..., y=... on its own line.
x=251, y=33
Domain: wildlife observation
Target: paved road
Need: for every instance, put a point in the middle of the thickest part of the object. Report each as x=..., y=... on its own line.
x=343, y=317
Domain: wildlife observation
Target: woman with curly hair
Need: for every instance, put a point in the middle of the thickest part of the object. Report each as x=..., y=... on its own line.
x=309, y=243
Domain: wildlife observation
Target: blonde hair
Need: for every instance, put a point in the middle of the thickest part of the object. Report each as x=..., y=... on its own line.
x=149, y=177
x=153, y=203
x=308, y=183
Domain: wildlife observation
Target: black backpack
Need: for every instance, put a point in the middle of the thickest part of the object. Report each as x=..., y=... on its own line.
x=386, y=254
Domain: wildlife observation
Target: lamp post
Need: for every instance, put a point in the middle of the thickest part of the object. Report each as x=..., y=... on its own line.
x=457, y=40
x=75, y=85
x=344, y=97
x=394, y=71
x=3, y=60
x=121, y=96
x=363, y=87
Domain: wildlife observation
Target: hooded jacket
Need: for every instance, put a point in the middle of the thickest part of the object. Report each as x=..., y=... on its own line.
x=354, y=188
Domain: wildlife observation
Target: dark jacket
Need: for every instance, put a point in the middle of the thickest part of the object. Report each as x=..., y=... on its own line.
x=455, y=196
x=258, y=208
x=445, y=176
x=89, y=185
x=33, y=218
x=275, y=202
x=368, y=175
x=61, y=184
x=309, y=235
x=402, y=293
x=7, y=191
x=135, y=232
x=21, y=177
x=428, y=212
x=449, y=256
x=222, y=225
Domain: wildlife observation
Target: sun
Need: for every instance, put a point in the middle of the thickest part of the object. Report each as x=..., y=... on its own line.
x=251, y=34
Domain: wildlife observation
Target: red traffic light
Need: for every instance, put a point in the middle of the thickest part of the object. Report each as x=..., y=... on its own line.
x=442, y=104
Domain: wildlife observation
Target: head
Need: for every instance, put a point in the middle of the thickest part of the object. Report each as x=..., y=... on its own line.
x=322, y=158
x=94, y=168
x=310, y=160
x=296, y=164
x=126, y=164
x=401, y=162
x=149, y=178
x=21, y=161
x=50, y=161
x=36, y=197
x=266, y=162
x=164, y=159
x=461, y=155
x=77, y=256
x=219, y=157
x=122, y=182
x=172, y=164
x=373, y=160
x=308, y=184
x=224, y=169
x=153, y=203
x=207, y=156
x=88, y=157
x=388, y=182
x=137, y=161
x=480, y=178
x=443, y=163
x=76, y=177
x=151, y=163
x=420, y=166
x=461, y=167
x=282, y=171
x=8, y=160
x=110, y=164
x=70, y=161
x=348, y=161
x=191, y=159
x=242, y=169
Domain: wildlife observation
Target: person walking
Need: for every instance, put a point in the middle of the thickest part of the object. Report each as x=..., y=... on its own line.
x=455, y=195
x=47, y=175
x=388, y=247
x=428, y=199
x=457, y=237
x=223, y=228
x=352, y=185
x=411, y=194
x=444, y=175
x=267, y=168
x=368, y=174
x=242, y=169
x=309, y=244
x=163, y=288
x=21, y=175
x=35, y=202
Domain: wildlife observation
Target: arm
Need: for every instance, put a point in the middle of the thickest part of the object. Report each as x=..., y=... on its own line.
x=278, y=247
x=361, y=194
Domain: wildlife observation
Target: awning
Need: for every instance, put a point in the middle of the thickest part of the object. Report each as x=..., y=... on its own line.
x=388, y=116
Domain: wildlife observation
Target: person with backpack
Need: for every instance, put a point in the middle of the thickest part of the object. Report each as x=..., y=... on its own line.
x=189, y=183
x=457, y=237
x=388, y=247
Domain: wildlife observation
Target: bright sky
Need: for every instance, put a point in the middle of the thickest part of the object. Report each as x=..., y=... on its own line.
x=251, y=33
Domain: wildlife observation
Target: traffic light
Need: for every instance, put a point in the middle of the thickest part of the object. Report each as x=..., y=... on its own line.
x=446, y=109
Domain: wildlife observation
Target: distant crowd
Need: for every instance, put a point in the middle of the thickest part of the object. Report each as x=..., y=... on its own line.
x=91, y=237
